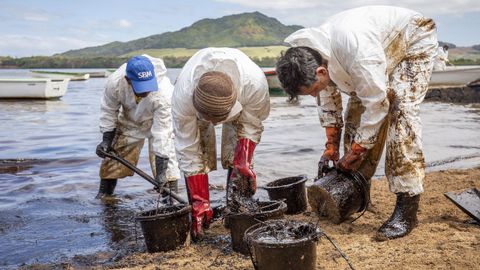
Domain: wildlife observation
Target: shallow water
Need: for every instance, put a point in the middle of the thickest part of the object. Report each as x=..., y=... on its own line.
x=47, y=208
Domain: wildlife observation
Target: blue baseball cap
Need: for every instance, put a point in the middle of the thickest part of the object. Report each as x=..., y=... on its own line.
x=141, y=74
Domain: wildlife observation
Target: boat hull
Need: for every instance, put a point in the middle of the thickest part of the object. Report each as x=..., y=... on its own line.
x=453, y=76
x=61, y=75
x=33, y=88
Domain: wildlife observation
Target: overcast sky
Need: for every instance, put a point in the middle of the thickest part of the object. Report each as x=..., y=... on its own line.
x=45, y=27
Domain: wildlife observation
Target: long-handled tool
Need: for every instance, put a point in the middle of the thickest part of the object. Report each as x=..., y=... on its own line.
x=467, y=200
x=147, y=177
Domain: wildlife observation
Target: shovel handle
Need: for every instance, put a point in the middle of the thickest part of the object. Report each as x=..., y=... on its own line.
x=147, y=177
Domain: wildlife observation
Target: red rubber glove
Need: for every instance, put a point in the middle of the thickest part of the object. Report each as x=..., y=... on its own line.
x=199, y=197
x=242, y=166
x=352, y=160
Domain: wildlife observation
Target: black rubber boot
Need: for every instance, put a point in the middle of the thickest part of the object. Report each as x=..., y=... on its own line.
x=403, y=219
x=107, y=186
x=172, y=186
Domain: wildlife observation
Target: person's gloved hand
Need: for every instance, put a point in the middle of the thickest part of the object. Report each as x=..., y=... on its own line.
x=331, y=152
x=106, y=144
x=352, y=160
x=242, y=165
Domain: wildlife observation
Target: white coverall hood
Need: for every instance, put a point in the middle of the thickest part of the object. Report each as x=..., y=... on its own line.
x=251, y=108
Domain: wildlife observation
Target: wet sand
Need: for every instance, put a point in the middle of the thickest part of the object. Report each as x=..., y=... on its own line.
x=443, y=240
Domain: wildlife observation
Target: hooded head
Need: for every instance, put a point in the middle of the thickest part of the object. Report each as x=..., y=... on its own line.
x=214, y=96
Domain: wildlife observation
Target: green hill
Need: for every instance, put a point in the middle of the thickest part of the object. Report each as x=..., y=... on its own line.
x=240, y=30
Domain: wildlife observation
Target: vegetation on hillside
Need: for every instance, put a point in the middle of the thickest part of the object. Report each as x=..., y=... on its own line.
x=240, y=30
x=61, y=62
x=99, y=62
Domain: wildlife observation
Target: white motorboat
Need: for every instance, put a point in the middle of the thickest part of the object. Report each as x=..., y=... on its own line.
x=41, y=88
x=455, y=76
x=274, y=85
x=452, y=76
x=58, y=75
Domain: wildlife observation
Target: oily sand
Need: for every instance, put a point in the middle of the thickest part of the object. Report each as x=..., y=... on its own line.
x=444, y=238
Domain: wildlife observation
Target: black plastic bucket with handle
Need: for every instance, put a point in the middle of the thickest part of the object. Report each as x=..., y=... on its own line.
x=283, y=244
x=240, y=222
x=290, y=189
x=165, y=228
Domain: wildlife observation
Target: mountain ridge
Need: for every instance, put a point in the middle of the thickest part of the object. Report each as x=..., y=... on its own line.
x=237, y=30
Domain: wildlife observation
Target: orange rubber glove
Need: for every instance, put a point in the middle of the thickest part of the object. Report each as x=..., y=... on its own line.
x=331, y=152
x=352, y=160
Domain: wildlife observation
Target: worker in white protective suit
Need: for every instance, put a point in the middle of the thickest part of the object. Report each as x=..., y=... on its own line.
x=136, y=104
x=441, y=58
x=382, y=58
x=217, y=86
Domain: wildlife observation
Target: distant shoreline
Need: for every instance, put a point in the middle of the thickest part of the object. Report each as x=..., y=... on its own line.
x=264, y=56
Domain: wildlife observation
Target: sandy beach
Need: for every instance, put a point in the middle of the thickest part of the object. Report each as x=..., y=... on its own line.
x=444, y=238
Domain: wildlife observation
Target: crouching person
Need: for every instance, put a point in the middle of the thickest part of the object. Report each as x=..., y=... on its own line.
x=136, y=105
x=217, y=86
x=381, y=57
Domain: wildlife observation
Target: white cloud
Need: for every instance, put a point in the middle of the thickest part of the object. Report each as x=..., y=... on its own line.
x=124, y=23
x=20, y=45
x=313, y=12
x=35, y=17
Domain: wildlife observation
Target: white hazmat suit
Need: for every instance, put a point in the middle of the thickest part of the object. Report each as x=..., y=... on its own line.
x=382, y=58
x=150, y=118
x=441, y=60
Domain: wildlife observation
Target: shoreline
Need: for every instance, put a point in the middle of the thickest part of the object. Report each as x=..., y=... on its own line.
x=443, y=239
x=454, y=94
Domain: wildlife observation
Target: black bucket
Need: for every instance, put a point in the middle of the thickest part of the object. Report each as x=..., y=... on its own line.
x=292, y=190
x=283, y=244
x=165, y=228
x=239, y=223
x=338, y=195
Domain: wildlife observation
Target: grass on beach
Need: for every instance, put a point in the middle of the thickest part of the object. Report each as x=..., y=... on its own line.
x=253, y=52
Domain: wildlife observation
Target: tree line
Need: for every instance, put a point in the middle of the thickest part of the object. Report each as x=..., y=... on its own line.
x=115, y=62
x=98, y=62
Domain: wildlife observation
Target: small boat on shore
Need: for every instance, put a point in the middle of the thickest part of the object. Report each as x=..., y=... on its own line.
x=33, y=88
x=453, y=76
x=73, y=76
x=274, y=86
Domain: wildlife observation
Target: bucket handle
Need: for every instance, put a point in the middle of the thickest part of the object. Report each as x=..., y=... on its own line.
x=344, y=256
x=360, y=179
x=246, y=239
